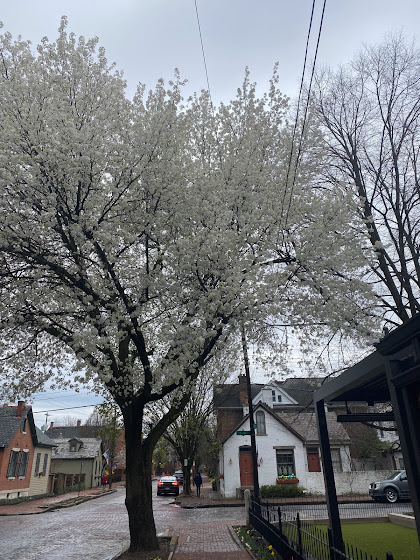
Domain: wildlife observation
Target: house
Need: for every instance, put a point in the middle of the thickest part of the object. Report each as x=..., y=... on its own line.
x=93, y=431
x=21, y=445
x=75, y=460
x=42, y=481
x=286, y=435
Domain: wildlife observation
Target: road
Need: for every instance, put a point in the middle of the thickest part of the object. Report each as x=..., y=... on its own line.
x=98, y=529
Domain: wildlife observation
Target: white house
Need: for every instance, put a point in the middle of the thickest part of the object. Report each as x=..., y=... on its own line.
x=286, y=436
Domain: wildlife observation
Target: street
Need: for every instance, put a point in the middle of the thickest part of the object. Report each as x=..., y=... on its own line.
x=98, y=529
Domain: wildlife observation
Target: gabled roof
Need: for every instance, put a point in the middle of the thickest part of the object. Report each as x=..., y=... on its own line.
x=302, y=424
x=276, y=385
x=10, y=423
x=43, y=440
x=91, y=448
x=300, y=389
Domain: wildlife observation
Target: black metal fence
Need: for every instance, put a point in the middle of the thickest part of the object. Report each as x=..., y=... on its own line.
x=295, y=539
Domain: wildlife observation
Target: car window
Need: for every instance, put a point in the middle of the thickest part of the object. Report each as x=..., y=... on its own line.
x=393, y=476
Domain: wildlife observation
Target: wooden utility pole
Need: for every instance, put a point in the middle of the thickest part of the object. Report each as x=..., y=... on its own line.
x=251, y=416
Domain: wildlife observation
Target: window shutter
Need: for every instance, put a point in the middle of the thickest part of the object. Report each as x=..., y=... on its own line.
x=38, y=460
x=44, y=467
x=11, y=469
x=24, y=458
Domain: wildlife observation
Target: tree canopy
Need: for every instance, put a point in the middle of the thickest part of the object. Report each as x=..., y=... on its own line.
x=369, y=112
x=134, y=235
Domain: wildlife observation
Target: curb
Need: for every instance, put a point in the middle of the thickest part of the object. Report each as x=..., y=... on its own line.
x=61, y=505
x=207, y=506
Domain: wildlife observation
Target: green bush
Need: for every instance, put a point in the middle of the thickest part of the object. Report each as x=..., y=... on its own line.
x=281, y=491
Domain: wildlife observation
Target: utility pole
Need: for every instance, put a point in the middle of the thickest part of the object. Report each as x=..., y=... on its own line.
x=251, y=416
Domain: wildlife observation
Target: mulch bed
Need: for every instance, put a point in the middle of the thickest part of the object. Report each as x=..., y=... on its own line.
x=162, y=553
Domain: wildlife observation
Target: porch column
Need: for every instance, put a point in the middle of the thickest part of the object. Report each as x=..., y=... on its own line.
x=404, y=389
x=330, y=491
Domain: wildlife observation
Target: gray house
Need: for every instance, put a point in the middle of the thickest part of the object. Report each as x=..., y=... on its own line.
x=76, y=461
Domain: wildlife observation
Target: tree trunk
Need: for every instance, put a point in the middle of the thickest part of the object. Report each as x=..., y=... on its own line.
x=139, y=482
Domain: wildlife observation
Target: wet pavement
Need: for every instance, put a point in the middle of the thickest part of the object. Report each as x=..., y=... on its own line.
x=98, y=530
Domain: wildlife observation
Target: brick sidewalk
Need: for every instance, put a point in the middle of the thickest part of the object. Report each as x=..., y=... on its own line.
x=208, y=498
x=43, y=504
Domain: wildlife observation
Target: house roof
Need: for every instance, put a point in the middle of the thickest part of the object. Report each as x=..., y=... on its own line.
x=91, y=448
x=57, y=432
x=300, y=389
x=305, y=424
x=43, y=440
x=227, y=395
x=302, y=424
x=10, y=423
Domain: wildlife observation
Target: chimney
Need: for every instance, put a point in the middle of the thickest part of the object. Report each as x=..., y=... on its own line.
x=79, y=422
x=51, y=426
x=20, y=408
x=243, y=390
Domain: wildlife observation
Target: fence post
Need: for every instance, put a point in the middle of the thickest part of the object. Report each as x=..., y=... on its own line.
x=331, y=544
x=280, y=527
x=389, y=556
x=299, y=528
x=247, y=495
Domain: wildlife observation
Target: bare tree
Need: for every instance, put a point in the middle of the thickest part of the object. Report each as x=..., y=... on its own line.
x=369, y=112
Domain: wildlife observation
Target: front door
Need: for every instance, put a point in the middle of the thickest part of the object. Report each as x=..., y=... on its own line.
x=245, y=466
x=313, y=460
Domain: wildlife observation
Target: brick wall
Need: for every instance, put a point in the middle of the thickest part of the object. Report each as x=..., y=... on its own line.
x=227, y=420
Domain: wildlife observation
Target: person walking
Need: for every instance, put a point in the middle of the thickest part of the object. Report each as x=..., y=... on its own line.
x=198, y=481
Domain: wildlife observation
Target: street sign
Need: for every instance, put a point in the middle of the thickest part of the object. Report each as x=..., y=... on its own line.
x=243, y=433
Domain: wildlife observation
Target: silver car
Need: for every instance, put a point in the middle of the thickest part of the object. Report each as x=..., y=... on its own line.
x=392, y=489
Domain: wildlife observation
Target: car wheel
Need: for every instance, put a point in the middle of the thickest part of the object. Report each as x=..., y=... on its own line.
x=391, y=495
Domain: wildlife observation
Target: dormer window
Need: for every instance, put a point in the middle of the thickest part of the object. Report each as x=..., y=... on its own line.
x=72, y=446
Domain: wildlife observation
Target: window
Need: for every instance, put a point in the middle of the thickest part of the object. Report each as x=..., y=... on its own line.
x=273, y=395
x=23, y=463
x=13, y=461
x=336, y=460
x=18, y=464
x=278, y=398
x=285, y=462
x=73, y=446
x=38, y=460
x=260, y=416
x=24, y=426
x=44, y=466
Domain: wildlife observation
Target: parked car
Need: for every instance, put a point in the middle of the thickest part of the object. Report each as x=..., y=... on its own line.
x=179, y=476
x=392, y=489
x=168, y=485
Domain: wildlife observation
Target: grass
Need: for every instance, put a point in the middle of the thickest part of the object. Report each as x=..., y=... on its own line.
x=379, y=538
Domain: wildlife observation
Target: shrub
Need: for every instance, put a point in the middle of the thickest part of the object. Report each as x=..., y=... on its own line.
x=281, y=491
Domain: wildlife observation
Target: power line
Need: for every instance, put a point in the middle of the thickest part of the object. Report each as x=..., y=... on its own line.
x=68, y=408
x=202, y=50
x=306, y=110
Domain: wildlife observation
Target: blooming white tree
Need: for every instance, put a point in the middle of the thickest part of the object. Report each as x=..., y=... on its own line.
x=134, y=235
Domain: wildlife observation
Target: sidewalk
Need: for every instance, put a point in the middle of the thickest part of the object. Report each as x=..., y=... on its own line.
x=209, y=541
x=53, y=502
x=208, y=499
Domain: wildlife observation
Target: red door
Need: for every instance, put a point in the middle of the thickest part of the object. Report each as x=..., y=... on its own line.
x=313, y=461
x=245, y=466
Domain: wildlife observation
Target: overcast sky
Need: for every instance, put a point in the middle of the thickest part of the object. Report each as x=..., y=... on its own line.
x=149, y=38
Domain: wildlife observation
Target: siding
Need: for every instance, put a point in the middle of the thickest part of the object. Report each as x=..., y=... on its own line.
x=39, y=484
